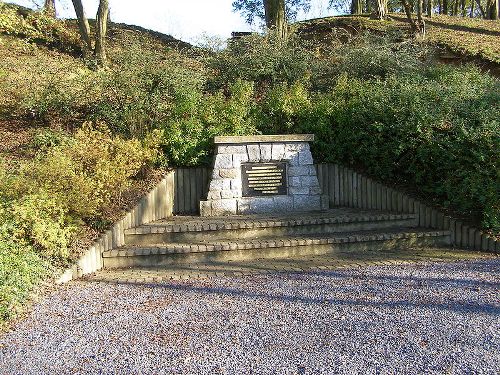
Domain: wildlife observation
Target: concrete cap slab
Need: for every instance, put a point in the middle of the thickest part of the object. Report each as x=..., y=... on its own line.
x=283, y=138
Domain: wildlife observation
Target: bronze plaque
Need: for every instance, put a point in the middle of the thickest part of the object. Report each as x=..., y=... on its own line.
x=262, y=179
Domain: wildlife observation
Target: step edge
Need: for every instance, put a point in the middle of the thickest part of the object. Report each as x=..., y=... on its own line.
x=185, y=248
x=258, y=224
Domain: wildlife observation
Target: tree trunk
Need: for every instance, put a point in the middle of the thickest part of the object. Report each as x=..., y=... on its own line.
x=418, y=25
x=492, y=9
x=357, y=7
x=50, y=8
x=276, y=17
x=440, y=7
x=472, y=9
x=101, y=27
x=420, y=20
x=481, y=9
x=455, y=8
x=462, y=7
x=381, y=9
x=429, y=8
x=83, y=25
x=445, y=7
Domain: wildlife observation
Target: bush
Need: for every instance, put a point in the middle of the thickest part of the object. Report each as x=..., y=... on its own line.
x=436, y=131
x=187, y=137
x=38, y=27
x=262, y=59
x=85, y=174
x=21, y=269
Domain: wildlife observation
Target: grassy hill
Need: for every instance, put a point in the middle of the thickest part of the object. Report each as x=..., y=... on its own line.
x=471, y=39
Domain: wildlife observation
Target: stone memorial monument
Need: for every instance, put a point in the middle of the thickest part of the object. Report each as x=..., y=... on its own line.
x=263, y=174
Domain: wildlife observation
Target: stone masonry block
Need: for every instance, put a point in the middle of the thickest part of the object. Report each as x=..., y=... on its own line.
x=224, y=207
x=283, y=203
x=294, y=181
x=205, y=208
x=235, y=184
x=238, y=159
x=214, y=194
x=256, y=205
x=223, y=184
x=310, y=181
x=306, y=202
x=231, y=149
x=315, y=190
x=298, y=190
x=223, y=161
x=228, y=194
x=277, y=151
x=304, y=170
x=253, y=152
x=265, y=152
x=305, y=158
x=229, y=173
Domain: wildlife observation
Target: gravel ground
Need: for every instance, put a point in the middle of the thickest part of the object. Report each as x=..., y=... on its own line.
x=423, y=318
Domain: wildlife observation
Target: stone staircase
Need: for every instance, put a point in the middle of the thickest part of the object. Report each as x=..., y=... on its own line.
x=194, y=239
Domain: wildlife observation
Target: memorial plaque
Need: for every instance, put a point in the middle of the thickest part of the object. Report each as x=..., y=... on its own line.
x=263, y=179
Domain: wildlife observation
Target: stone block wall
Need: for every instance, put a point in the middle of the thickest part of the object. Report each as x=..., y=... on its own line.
x=225, y=190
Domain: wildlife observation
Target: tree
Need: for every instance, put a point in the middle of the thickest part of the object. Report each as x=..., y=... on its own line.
x=491, y=9
x=357, y=6
x=49, y=8
x=101, y=29
x=274, y=13
x=418, y=25
x=275, y=16
x=381, y=9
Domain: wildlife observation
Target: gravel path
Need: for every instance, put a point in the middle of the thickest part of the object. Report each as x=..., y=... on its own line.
x=423, y=318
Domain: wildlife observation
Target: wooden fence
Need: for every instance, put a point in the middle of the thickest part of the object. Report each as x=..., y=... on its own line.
x=347, y=188
x=180, y=192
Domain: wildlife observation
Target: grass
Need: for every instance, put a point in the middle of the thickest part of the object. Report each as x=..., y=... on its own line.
x=464, y=36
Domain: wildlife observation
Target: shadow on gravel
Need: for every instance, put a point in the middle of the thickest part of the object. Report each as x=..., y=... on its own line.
x=454, y=305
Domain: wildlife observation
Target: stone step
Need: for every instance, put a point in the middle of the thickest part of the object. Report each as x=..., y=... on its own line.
x=280, y=247
x=194, y=229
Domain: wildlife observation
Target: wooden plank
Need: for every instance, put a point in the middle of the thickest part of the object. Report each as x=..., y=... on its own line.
x=199, y=188
x=458, y=233
x=354, y=183
x=360, y=191
x=319, y=173
x=377, y=193
x=193, y=196
x=421, y=220
x=336, y=177
x=347, y=187
x=465, y=236
x=477, y=240
x=369, y=189
x=434, y=223
x=341, y=186
x=180, y=191
x=331, y=184
x=363, y=192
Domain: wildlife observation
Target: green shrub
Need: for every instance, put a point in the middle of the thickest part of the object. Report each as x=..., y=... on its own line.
x=43, y=222
x=38, y=27
x=84, y=175
x=187, y=137
x=438, y=132
x=21, y=269
x=262, y=59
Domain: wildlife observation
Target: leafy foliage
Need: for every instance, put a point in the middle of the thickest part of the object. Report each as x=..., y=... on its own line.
x=253, y=10
x=37, y=27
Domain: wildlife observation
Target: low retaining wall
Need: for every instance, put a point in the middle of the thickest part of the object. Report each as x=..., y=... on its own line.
x=180, y=192
x=157, y=204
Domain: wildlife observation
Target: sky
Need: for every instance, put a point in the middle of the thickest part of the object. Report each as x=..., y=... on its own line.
x=189, y=20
